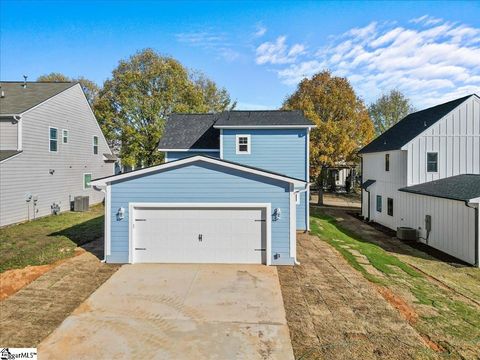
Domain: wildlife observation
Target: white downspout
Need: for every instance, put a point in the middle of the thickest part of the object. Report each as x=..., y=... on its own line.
x=18, y=119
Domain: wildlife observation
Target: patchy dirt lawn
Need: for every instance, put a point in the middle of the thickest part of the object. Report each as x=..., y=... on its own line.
x=439, y=301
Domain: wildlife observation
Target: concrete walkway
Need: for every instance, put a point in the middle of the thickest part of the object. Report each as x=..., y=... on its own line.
x=160, y=311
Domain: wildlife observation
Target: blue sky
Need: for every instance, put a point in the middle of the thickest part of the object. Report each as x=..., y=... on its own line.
x=257, y=50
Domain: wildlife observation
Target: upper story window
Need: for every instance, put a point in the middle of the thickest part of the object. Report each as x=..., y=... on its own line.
x=432, y=162
x=390, y=206
x=53, y=139
x=243, y=144
x=95, y=145
x=64, y=136
x=387, y=162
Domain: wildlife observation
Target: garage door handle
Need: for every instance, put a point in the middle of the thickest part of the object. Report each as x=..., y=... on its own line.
x=140, y=248
x=260, y=249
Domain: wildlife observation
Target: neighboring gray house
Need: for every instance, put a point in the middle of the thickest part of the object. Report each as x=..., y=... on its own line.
x=51, y=146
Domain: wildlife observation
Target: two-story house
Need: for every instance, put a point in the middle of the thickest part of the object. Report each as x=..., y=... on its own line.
x=51, y=147
x=233, y=189
x=424, y=174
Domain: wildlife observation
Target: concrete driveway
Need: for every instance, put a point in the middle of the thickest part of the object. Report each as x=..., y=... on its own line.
x=178, y=312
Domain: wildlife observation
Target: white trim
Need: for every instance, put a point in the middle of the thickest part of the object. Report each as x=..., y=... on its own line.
x=190, y=150
x=293, y=224
x=19, y=132
x=249, y=144
x=266, y=206
x=11, y=157
x=307, y=198
x=102, y=182
x=83, y=179
x=63, y=136
x=165, y=159
x=221, y=143
x=50, y=139
x=108, y=222
x=264, y=126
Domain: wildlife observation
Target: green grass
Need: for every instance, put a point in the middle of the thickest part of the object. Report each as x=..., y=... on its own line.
x=443, y=317
x=48, y=239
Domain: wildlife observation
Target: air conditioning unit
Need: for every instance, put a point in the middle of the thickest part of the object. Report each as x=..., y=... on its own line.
x=81, y=203
x=406, y=233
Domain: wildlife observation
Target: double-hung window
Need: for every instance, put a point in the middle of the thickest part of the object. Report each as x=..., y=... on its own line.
x=243, y=144
x=432, y=162
x=53, y=139
x=95, y=145
x=387, y=162
x=390, y=206
x=64, y=136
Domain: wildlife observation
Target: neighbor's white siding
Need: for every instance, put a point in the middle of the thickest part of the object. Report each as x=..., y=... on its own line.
x=29, y=171
x=456, y=138
x=453, y=224
x=8, y=134
x=387, y=185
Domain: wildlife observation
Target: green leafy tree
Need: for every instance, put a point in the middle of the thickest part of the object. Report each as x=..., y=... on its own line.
x=89, y=87
x=389, y=109
x=132, y=106
x=342, y=122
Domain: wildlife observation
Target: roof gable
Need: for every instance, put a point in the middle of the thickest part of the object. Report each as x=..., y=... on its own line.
x=19, y=98
x=411, y=126
x=196, y=158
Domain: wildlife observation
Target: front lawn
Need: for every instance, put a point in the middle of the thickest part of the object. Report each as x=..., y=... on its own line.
x=448, y=321
x=45, y=240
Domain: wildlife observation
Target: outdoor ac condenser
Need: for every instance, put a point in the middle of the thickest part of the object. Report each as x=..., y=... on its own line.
x=81, y=203
x=406, y=233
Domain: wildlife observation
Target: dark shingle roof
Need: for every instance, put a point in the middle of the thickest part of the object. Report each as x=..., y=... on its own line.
x=190, y=131
x=411, y=126
x=18, y=99
x=460, y=187
x=367, y=183
x=263, y=118
x=5, y=154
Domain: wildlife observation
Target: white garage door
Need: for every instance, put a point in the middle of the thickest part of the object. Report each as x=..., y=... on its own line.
x=193, y=235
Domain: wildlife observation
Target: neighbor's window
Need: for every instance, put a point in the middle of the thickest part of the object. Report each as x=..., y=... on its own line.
x=243, y=144
x=387, y=162
x=95, y=145
x=87, y=178
x=53, y=137
x=379, y=203
x=390, y=206
x=65, y=136
x=432, y=162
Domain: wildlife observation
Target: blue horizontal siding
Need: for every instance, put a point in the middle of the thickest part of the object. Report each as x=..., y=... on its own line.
x=280, y=150
x=177, y=155
x=200, y=182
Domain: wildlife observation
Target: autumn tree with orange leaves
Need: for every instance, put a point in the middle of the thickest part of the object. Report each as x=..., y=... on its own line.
x=343, y=125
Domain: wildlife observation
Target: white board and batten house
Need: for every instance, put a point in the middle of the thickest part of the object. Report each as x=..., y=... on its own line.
x=51, y=146
x=424, y=173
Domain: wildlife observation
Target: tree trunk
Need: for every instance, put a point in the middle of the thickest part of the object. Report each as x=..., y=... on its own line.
x=320, y=183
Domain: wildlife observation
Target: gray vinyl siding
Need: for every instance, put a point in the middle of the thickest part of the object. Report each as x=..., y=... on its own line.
x=29, y=171
x=8, y=134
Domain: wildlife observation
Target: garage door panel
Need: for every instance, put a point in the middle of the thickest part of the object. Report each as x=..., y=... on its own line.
x=199, y=235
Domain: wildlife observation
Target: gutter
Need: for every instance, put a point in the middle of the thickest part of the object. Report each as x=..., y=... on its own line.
x=477, y=241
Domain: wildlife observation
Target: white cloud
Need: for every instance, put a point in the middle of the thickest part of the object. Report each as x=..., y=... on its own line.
x=428, y=59
x=260, y=30
x=218, y=43
x=278, y=52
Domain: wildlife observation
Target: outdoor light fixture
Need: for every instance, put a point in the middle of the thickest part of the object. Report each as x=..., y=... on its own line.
x=276, y=214
x=120, y=213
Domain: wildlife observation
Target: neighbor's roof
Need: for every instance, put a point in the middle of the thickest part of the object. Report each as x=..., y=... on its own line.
x=18, y=99
x=263, y=118
x=190, y=131
x=411, y=126
x=460, y=187
x=5, y=154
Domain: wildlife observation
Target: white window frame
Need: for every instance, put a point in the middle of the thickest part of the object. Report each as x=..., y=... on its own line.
x=50, y=139
x=237, y=144
x=381, y=203
x=426, y=162
x=94, y=145
x=65, y=131
x=83, y=181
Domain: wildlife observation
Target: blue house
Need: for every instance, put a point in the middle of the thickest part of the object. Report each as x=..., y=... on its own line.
x=234, y=188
